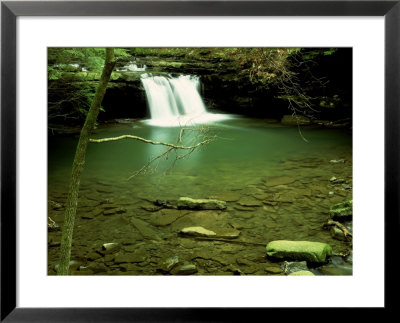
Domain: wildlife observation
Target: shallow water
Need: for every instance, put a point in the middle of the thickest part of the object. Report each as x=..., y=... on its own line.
x=235, y=167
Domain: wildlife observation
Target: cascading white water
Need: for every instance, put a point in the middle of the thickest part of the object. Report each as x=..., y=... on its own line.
x=160, y=97
x=176, y=101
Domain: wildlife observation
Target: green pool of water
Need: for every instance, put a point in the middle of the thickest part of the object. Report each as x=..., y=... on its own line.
x=235, y=167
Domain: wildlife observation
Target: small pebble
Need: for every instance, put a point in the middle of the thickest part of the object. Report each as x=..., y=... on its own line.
x=336, y=161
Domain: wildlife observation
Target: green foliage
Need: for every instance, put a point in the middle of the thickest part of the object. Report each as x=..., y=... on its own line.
x=91, y=59
x=286, y=72
x=72, y=73
x=314, y=53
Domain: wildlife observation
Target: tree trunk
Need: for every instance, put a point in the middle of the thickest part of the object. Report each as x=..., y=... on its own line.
x=79, y=161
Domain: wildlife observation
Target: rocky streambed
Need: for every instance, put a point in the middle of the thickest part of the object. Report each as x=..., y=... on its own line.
x=140, y=230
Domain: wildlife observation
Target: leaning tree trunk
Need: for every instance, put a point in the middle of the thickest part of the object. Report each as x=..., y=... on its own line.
x=79, y=161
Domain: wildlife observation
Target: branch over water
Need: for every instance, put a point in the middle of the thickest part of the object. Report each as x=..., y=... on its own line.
x=151, y=141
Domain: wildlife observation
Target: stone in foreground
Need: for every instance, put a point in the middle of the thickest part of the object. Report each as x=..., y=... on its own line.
x=110, y=247
x=200, y=204
x=314, y=252
x=292, y=266
x=342, y=211
x=302, y=273
x=168, y=264
x=197, y=232
x=187, y=269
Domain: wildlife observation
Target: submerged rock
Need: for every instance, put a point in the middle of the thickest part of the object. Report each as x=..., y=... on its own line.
x=53, y=227
x=278, y=180
x=145, y=229
x=301, y=273
x=186, y=269
x=273, y=270
x=165, y=217
x=110, y=247
x=228, y=233
x=229, y=196
x=197, y=232
x=337, y=161
x=164, y=204
x=132, y=257
x=168, y=264
x=342, y=211
x=289, y=267
x=315, y=252
x=337, y=234
x=249, y=201
x=55, y=205
x=200, y=204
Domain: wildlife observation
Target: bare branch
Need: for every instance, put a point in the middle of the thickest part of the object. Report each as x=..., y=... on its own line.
x=151, y=141
x=198, y=137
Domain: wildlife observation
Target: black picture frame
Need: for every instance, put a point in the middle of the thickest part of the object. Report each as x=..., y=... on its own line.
x=10, y=10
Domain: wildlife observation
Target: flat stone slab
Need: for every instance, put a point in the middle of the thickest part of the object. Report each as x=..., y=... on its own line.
x=228, y=233
x=110, y=247
x=145, y=229
x=132, y=257
x=165, y=217
x=200, y=204
x=315, y=252
x=197, y=232
x=342, y=211
x=273, y=270
x=301, y=273
x=249, y=201
x=229, y=196
x=278, y=180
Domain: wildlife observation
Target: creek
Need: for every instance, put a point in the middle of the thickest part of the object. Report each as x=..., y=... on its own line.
x=276, y=181
x=234, y=168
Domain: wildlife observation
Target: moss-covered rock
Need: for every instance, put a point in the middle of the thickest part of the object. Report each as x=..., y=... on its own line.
x=342, y=211
x=314, y=252
x=302, y=273
x=200, y=204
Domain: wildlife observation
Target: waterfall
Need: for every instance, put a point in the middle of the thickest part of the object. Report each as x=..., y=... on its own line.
x=176, y=101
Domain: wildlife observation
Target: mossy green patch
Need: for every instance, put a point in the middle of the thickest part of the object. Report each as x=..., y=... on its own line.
x=342, y=211
x=315, y=252
x=302, y=273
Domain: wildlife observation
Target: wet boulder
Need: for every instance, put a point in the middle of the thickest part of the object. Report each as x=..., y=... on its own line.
x=185, y=269
x=289, y=267
x=302, y=273
x=313, y=252
x=342, y=211
x=197, y=232
x=168, y=264
x=109, y=247
x=200, y=204
x=337, y=234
